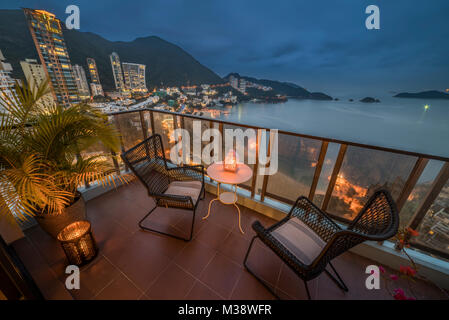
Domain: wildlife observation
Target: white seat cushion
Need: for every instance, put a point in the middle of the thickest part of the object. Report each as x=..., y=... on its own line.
x=300, y=240
x=185, y=188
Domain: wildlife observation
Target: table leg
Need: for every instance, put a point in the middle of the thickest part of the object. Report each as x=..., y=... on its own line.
x=217, y=198
x=238, y=209
x=208, y=211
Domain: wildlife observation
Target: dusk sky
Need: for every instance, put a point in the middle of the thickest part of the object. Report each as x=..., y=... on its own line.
x=320, y=45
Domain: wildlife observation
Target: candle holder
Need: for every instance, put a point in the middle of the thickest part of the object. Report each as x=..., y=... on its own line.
x=78, y=243
x=230, y=161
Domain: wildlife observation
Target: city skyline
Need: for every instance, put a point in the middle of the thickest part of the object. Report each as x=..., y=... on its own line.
x=328, y=50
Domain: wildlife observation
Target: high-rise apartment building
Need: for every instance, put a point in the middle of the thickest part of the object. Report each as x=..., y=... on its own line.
x=35, y=75
x=234, y=82
x=6, y=82
x=134, y=75
x=47, y=35
x=93, y=71
x=34, y=72
x=81, y=82
x=95, y=85
x=117, y=72
x=96, y=89
x=242, y=85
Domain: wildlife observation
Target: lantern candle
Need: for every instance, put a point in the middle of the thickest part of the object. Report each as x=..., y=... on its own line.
x=230, y=161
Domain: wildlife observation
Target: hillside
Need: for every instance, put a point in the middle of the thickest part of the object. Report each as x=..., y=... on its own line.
x=284, y=88
x=166, y=63
x=433, y=94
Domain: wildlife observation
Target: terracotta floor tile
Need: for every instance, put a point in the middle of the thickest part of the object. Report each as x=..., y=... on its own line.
x=139, y=261
x=235, y=247
x=221, y=275
x=194, y=257
x=174, y=283
x=95, y=278
x=202, y=292
x=212, y=235
x=248, y=288
x=120, y=288
x=264, y=262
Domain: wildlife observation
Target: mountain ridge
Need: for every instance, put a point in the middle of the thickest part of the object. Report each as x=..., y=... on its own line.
x=284, y=88
x=167, y=63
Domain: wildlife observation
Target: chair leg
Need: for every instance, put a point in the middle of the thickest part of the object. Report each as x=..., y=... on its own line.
x=204, y=194
x=307, y=289
x=254, y=275
x=340, y=283
x=164, y=233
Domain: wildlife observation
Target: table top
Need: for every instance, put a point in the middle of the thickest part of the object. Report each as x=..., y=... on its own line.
x=216, y=172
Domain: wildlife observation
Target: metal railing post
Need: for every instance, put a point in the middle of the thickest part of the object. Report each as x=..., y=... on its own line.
x=319, y=166
x=265, y=177
x=416, y=172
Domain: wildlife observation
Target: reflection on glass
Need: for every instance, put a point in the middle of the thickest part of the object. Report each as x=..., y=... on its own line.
x=326, y=172
x=298, y=158
x=130, y=129
x=434, y=229
x=364, y=171
x=164, y=125
x=419, y=191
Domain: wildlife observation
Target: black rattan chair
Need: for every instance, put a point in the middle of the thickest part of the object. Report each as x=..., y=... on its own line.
x=308, y=239
x=170, y=187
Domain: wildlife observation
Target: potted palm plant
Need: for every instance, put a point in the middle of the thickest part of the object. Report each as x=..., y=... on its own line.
x=43, y=159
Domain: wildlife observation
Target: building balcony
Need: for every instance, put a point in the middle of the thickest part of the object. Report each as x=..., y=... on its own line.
x=337, y=176
x=136, y=264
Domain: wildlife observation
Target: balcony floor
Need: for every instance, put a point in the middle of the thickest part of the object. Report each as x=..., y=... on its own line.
x=134, y=264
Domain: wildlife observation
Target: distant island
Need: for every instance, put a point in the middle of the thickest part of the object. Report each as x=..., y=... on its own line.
x=433, y=94
x=369, y=100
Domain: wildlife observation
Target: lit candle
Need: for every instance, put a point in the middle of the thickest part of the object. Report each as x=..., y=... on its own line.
x=230, y=161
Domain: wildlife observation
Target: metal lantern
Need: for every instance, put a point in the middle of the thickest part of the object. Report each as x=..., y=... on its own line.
x=78, y=242
x=230, y=161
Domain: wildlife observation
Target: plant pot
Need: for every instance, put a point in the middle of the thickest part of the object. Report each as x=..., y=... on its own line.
x=52, y=224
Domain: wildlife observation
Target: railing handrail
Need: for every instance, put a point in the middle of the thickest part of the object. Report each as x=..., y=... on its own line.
x=307, y=136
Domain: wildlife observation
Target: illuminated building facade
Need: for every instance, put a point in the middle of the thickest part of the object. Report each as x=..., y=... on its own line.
x=81, y=82
x=34, y=72
x=95, y=85
x=35, y=75
x=6, y=82
x=134, y=75
x=96, y=89
x=47, y=35
x=117, y=72
x=93, y=71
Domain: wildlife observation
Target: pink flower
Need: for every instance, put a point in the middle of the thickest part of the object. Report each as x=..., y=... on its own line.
x=408, y=271
x=399, y=294
x=382, y=270
x=393, y=277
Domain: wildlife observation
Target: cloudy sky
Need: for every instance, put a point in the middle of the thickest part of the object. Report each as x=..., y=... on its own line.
x=322, y=45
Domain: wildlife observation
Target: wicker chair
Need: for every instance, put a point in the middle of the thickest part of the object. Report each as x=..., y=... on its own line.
x=170, y=187
x=308, y=239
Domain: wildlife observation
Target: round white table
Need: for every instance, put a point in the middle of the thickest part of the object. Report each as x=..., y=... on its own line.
x=217, y=173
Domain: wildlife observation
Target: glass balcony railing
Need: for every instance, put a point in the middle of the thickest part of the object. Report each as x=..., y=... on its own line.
x=339, y=176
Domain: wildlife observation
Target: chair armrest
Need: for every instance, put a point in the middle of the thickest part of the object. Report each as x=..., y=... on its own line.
x=187, y=173
x=318, y=220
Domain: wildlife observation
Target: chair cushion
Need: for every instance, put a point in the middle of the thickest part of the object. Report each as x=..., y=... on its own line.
x=185, y=188
x=300, y=240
